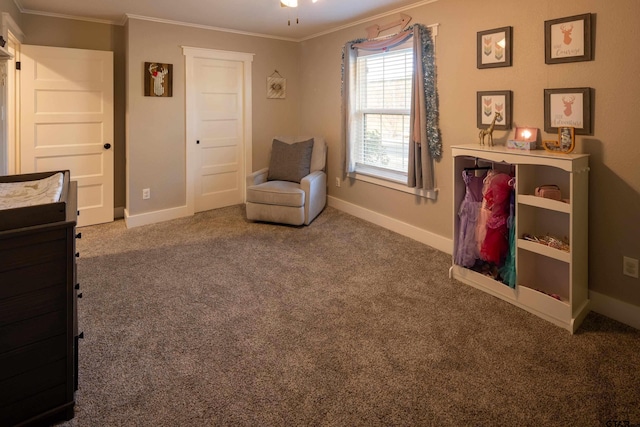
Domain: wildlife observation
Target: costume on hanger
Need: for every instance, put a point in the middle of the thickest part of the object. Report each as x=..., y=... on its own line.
x=467, y=250
x=508, y=270
x=495, y=244
x=485, y=211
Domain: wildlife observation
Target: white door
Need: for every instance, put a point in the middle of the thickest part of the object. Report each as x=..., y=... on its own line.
x=219, y=132
x=66, y=122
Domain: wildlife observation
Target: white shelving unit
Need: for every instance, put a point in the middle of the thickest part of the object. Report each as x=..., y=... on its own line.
x=541, y=270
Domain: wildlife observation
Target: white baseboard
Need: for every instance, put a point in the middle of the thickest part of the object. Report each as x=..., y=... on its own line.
x=423, y=236
x=621, y=311
x=155, y=216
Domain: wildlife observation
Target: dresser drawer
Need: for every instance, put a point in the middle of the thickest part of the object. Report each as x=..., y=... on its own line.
x=32, y=330
x=33, y=304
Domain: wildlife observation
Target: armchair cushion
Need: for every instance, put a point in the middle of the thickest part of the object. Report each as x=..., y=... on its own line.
x=290, y=162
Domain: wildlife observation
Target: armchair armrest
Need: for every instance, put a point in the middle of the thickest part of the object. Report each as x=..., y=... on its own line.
x=257, y=177
x=315, y=187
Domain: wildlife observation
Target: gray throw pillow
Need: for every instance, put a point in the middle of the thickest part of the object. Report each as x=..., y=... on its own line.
x=290, y=162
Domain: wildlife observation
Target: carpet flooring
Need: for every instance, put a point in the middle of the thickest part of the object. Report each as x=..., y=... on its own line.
x=213, y=320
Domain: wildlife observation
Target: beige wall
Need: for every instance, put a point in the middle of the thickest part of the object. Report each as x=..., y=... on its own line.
x=71, y=33
x=312, y=68
x=614, y=206
x=156, y=126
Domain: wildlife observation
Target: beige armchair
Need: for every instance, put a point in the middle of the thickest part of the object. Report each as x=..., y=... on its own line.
x=273, y=195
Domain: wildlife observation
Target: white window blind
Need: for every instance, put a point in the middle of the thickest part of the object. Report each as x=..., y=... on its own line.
x=383, y=110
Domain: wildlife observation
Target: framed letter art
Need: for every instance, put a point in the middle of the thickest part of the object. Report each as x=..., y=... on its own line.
x=568, y=108
x=568, y=39
x=494, y=48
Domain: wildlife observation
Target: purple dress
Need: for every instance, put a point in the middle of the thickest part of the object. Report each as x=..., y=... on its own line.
x=467, y=248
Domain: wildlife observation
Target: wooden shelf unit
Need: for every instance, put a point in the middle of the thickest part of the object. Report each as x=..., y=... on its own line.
x=540, y=269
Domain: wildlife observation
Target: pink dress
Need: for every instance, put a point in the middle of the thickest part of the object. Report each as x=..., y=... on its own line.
x=495, y=245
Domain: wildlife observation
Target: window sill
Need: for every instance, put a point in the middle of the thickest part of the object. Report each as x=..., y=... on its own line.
x=394, y=183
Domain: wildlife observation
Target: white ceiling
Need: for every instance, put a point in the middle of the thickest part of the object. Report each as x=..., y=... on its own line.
x=263, y=17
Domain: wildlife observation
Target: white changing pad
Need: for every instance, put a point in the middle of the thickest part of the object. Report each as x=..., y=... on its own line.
x=30, y=193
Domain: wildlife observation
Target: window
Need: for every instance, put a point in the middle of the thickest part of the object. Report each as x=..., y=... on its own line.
x=383, y=108
x=381, y=78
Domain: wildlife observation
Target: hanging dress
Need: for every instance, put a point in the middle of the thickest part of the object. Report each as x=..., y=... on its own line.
x=508, y=270
x=466, y=250
x=495, y=245
x=485, y=211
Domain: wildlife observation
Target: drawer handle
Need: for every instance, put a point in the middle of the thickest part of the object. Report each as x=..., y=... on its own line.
x=79, y=236
x=77, y=254
x=77, y=286
x=81, y=336
x=80, y=295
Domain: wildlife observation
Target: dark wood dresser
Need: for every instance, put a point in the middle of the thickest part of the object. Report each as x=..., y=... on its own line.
x=38, y=319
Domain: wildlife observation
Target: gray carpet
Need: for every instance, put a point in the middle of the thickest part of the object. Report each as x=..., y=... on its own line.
x=214, y=320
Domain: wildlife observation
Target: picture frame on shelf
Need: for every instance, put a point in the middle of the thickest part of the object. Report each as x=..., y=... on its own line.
x=490, y=102
x=570, y=107
x=494, y=48
x=568, y=39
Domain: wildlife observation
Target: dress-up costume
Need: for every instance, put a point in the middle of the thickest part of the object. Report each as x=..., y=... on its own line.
x=495, y=245
x=508, y=270
x=467, y=250
x=485, y=212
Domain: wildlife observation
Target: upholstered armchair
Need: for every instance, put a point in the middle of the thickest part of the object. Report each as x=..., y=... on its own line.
x=293, y=189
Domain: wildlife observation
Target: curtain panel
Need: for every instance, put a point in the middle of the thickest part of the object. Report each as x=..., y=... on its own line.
x=425, y=144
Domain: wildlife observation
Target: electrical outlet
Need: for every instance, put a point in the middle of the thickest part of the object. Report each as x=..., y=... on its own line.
x=630, y=267
x=146, y=193
x=337, y=182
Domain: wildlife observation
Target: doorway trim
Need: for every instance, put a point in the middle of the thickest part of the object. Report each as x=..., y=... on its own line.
x=190, y=54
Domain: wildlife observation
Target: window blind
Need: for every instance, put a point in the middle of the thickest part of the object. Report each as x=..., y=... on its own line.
x=384, y=106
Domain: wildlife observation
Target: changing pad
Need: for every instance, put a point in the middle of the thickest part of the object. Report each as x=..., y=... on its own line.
x=30, y=193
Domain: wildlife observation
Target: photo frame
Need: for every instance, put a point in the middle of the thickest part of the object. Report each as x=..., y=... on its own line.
x=494, y=48
x=568, y=39
x=490, y=102
x=158, y=79
x=276, y=86
x=569, y=107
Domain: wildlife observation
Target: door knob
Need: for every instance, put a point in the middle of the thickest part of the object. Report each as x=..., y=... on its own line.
x=198, y=142
x=107, y=145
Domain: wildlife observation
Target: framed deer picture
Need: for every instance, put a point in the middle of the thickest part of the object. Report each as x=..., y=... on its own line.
x=568, y=108
x=568, y=39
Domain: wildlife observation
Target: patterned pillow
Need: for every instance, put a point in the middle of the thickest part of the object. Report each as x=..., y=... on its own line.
x=290, y=162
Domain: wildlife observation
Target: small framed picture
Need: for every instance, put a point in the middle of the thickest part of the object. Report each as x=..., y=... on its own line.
x=276, y=88
x=491, y=102
x=568, y=108
x=494, y=48
x=568, y=39
x=158, y=79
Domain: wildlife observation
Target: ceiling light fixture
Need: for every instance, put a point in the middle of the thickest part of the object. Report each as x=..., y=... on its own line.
x=292, y=3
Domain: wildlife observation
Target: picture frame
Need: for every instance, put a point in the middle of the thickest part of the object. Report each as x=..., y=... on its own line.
x=158, y=79
x=570, y=107
x=490, y=102
x=494, y=48
x=276, y=87
x=568, y=39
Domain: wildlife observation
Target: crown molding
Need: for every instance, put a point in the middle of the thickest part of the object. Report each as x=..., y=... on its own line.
x=128, y=16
